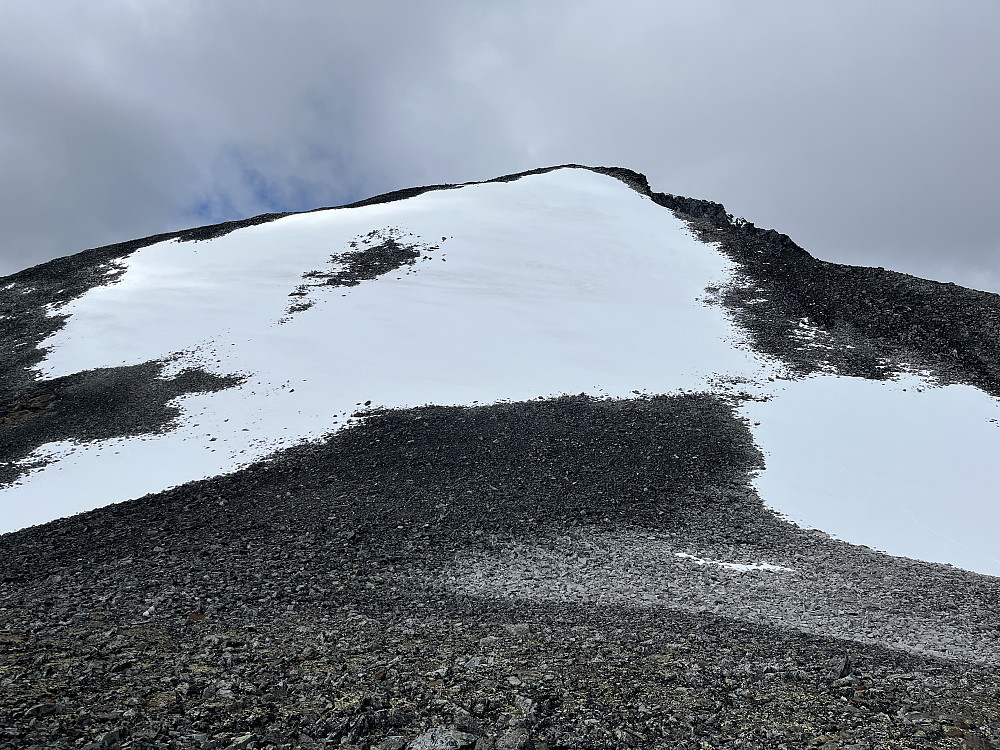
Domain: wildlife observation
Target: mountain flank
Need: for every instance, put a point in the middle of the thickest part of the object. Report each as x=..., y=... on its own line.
x=566, y=572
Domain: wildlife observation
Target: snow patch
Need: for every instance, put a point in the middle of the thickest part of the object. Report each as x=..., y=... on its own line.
x=739, y=567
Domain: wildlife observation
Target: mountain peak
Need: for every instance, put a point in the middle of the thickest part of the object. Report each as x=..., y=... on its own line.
x=467, y=465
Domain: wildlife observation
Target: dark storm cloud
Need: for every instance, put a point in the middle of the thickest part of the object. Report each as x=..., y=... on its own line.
x=866, y=131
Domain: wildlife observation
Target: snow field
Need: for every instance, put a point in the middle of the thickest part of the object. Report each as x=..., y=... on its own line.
x=567, y=282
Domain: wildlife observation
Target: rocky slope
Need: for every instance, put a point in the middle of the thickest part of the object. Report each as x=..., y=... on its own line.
x=505, y=576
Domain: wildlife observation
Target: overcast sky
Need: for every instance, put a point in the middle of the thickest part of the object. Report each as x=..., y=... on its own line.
x=868, y=131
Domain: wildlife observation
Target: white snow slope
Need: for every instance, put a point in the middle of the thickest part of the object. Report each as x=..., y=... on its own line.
x=564, y=282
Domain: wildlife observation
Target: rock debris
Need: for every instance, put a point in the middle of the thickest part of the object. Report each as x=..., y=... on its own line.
x=502, y=576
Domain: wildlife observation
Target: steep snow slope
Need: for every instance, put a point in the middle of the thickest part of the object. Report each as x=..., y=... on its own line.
x=564, y=282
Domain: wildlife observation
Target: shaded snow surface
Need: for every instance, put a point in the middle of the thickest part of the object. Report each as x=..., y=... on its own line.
x=565, y=282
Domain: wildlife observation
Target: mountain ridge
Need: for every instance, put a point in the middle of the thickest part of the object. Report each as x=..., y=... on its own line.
x=797, y=274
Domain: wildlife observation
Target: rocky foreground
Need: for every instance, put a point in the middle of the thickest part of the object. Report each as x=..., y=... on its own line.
x=560, y=574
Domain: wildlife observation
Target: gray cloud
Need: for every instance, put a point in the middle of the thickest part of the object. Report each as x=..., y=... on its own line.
x=865, y=131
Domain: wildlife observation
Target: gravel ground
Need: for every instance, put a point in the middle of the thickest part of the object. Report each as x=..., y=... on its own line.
x=493, y=577
x=861, y=597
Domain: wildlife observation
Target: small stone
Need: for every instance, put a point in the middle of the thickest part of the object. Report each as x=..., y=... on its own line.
x=840, y=667
x=397, y=717
x=515, y=739
x=466, y=722
x=443, y=739
x=525, y=706
x=975, y=742
x=41, y=709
